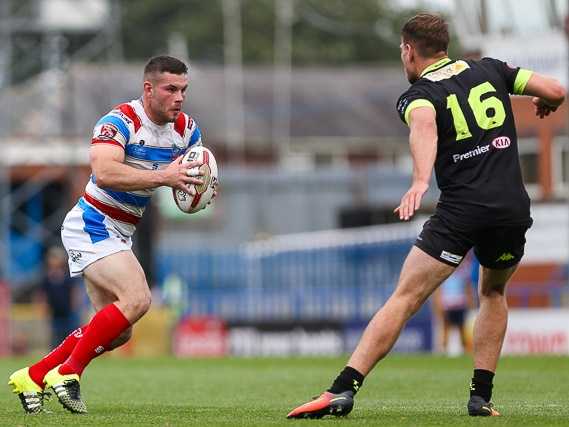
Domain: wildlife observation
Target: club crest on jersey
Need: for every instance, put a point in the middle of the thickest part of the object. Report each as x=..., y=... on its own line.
x=108, y=130
x=501, y=142
x=176, y=150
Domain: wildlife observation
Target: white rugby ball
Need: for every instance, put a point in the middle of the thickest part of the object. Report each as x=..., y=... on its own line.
x=204, y=191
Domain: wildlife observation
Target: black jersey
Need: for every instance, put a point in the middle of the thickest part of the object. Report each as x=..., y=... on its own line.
x=477, y=167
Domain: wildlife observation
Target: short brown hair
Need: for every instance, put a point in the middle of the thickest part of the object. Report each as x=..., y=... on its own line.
x=164, y=64
x=429, y=34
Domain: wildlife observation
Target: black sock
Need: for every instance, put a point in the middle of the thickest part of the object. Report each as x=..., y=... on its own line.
x=349, y=379
x=481, y=384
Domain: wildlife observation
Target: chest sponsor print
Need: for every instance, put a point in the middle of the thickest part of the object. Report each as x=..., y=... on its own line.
x=501, y=142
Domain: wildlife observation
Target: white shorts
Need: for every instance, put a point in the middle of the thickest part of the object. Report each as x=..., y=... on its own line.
x=88, y=236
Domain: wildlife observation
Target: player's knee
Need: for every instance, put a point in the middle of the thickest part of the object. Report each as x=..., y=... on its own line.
x=492, y=292
x=141, y=304
x=412, y=303
x=405, y=304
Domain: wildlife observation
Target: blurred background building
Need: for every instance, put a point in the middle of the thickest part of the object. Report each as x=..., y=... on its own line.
x=296, y=98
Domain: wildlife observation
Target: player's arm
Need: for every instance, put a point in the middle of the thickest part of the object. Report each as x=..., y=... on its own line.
x=423, y=142
x=110, y=172
x=548, y=94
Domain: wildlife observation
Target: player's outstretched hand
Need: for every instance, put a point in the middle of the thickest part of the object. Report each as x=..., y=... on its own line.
x=411, y=201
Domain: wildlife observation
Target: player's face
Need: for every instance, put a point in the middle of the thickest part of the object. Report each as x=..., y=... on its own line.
x=166, y=96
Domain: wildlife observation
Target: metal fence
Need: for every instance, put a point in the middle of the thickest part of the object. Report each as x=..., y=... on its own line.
x=339, y=275
x=335, y=275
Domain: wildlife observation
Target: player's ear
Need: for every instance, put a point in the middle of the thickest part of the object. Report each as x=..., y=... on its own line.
x=410, y=51
x=147, y=87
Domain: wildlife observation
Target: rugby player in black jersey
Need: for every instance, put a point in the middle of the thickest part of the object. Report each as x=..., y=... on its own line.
x=462, y=127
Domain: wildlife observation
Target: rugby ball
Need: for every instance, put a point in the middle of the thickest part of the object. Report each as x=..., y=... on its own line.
x=204, y=191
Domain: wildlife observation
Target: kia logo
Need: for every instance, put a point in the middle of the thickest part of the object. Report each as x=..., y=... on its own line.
x=501, y=142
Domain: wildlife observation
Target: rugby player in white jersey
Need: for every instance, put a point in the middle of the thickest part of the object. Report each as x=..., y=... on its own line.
x=136, y=147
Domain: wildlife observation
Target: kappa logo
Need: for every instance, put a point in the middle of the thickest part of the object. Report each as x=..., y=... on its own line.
x=506, y=256
x=501, y=142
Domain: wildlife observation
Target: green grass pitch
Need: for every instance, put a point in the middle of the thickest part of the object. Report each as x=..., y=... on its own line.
x=415, y=390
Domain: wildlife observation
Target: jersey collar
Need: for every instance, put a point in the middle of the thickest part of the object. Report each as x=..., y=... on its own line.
x=436, y=65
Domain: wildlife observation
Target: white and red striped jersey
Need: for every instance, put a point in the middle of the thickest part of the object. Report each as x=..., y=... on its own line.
x=147, y=146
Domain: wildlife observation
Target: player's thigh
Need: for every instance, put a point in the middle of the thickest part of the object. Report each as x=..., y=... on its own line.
x=421, y=275
x=117, y=277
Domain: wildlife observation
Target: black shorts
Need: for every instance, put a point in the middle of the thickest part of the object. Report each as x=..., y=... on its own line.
x=495, y=247
x=456, y=317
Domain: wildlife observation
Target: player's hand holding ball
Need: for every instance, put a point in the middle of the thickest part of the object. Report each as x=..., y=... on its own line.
x=198, y=195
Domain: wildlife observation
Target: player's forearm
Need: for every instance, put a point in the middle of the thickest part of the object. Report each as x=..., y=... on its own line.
x=423, y=140
x=121, y=177
x=424, y=152
x=549, y=90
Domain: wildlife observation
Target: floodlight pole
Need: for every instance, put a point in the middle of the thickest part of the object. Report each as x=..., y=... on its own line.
x=5, y=126
x=284, y=12
x=233, y=70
